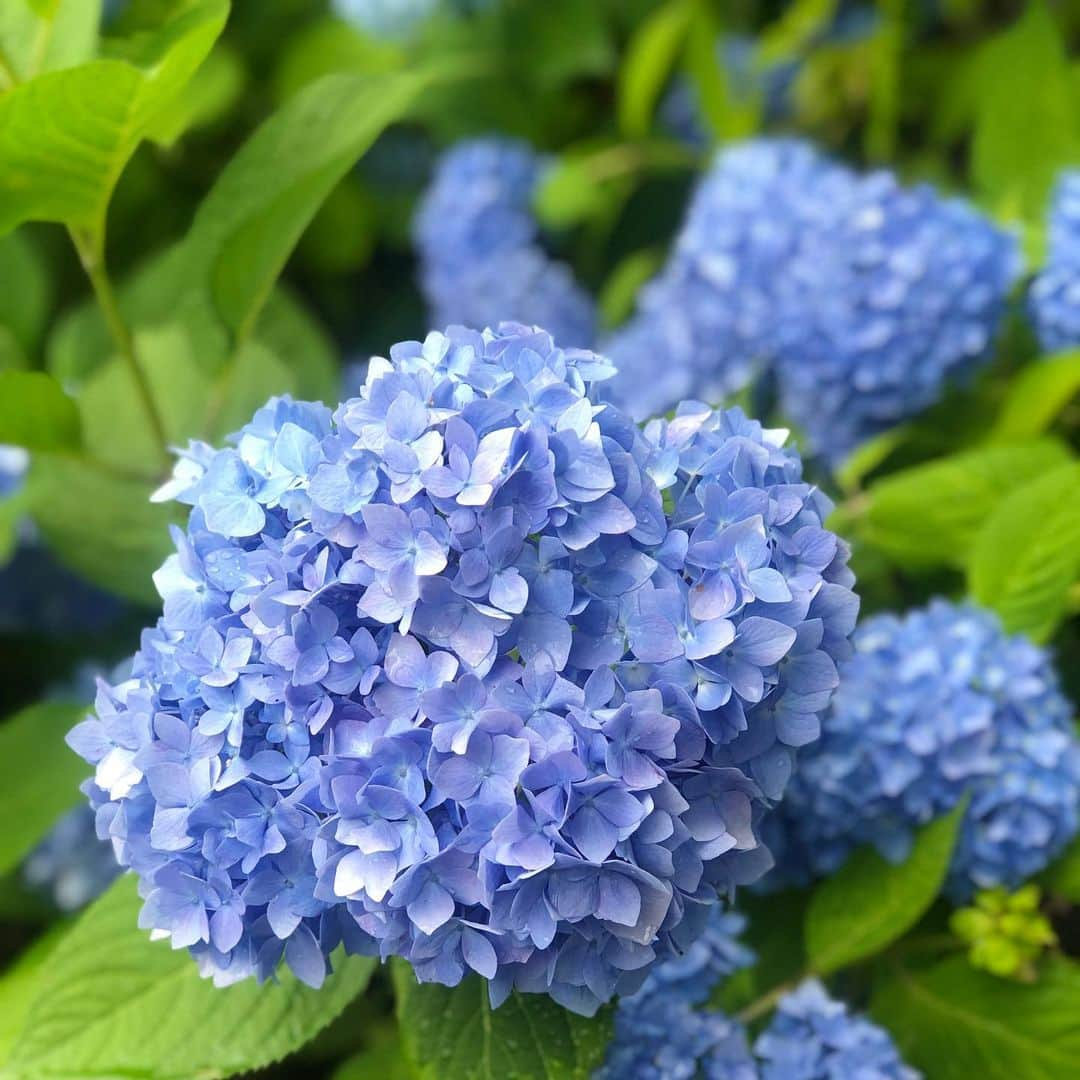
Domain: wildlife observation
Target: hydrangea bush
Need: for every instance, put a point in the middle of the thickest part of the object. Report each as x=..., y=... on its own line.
x=936, y=706
x=1055, y=293
x=441, y=675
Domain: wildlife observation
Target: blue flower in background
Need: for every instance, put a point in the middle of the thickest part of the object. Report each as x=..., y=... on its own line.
x=901, y=294
x=71, y=865
x=391, y=19
x=438, y=677
x=478, y=242
x=813, y=1037
x=707, y=323
x=14, y=461
x=936, y=705
x=1054, y=299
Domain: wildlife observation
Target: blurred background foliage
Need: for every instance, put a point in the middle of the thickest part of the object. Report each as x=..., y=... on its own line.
x=248, y=256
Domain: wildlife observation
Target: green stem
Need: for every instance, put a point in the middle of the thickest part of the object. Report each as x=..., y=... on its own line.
x=768, y=1001
x=93, y=261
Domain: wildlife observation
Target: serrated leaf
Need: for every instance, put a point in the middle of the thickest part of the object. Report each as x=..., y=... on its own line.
x=453, y=1034
x=37, y=37
x=930, y=514
x=65, y=136
x=35, y=413
x=101, y=524
x=1036, y=396
x=248, y=225
x=955, y=1022
x=1027, y=554
x=869, y=902
x=113, y=1003
x=34, y=797
x=650, y=57
x=1026, y=126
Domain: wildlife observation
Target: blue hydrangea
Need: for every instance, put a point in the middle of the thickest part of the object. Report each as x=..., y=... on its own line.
x=902, y=294
x=934, y=705
x=386, y=19
x=470, y=671
x=71, y=866
x=813, y=1037
x=708, y=322
x=660, y=1035
x=478, y=243
x=1055, y=293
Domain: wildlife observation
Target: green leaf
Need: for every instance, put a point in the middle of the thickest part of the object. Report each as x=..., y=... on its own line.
x=36, y=413
x=930, y=514
x=18, y=986
x=100, y=523
x=650, y=58
x=801, y=22
x=728, y=117
x=208, y=97
x=453, y=1034
x=382, y=1057
x=869, y=902
x=956, y=1023
x=1027, y=554
x=113, y=1003
x=25, y=297
x=250, y=222
x=1062, y=877
x=1036, y=396
x=35, y=797
x=619, y=294
x=327, y=46
x=46, y=36
x=65, y=136
x=866, y=457
x=1026, y=126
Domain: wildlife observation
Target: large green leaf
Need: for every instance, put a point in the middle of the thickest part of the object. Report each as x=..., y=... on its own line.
x=47, y=783
x=453, y=1034
x=955, y=1022
x=18, y=985
x=101, y=523
x=45, y=36
x=114, y=1004
x=1062, y=877
x=250, y=222
x=870, y=902
x=36, y=413
x=1035, y=397
x=1026, y=126
x=649, y=60
x=930, y=514
x=24, y=299
x=1027, y=554
x=65, y=136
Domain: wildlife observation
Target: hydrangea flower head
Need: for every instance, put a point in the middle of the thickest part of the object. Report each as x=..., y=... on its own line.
x=707, y=323
x=1055, y=293
x=813, y=1037
x=935, y=705
x=438, y=676
x=901, y=295
x=71, y=865
x=481, y=260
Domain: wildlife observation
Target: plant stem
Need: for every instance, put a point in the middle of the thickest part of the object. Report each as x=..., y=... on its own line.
x=93, y=261
x=767, y=1002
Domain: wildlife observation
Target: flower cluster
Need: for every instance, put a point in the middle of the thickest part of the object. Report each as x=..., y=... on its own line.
x=481, y=261
x=708, y=321
x=866, y=296
x=1055, y=293
x=1005, y=934
x=660, y=1035
x=903, y=295
x=936, y=705
x=71, y=865
x=470, y=671
x=813, y=1037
